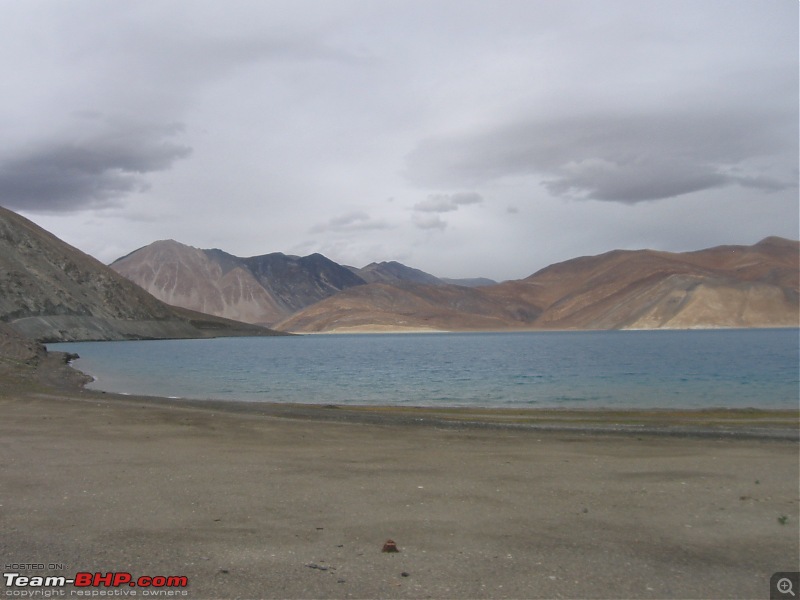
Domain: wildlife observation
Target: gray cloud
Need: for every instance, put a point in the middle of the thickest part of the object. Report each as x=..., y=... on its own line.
x=84, y=170
x=428, y=221
x=150, y=61
x=612, y=157
x=525, y=102
x=351, y=222
x=426, y=213
x=440, y=203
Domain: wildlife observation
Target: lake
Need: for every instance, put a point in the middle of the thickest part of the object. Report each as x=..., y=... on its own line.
x=610, y=369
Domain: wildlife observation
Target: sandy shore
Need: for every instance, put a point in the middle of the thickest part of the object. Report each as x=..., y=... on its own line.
x=297, y=502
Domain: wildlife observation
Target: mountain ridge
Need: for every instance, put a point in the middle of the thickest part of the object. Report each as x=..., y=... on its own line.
x=51, y=291
x=723, y=286
x=257, y=289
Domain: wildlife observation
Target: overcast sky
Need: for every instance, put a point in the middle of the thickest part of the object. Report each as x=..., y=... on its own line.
x=465, y=138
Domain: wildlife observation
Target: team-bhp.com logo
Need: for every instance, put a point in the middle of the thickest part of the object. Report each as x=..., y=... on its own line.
x=89, y=583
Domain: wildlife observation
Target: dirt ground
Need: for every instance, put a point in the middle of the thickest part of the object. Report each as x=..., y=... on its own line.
x=299, y=505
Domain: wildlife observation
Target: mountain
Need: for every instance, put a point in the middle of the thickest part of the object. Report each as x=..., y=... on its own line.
x=384, y=307
x=50, y=291
x=726, y=286
x=299, y=281
x=470, y=281
x=184, y=276
x=395, y=273
x=260, y=289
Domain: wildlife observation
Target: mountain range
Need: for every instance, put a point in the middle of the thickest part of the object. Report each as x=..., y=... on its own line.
x=260, y=289
x=50, y=291
x=725, y=286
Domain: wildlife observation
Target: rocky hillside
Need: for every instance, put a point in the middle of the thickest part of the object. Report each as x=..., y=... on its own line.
x=199, y=280
x=50, y=291
x=260, y=289
x=727, y=286
x=395, y=273
x=299, y=281
x=410, y=307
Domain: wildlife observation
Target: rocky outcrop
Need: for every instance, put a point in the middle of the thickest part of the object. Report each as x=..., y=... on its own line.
x=16, y=349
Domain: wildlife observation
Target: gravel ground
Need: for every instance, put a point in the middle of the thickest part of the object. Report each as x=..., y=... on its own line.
x=249, y=505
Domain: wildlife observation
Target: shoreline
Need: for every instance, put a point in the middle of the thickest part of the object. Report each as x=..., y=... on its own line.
x=297, y=501
x=751, y=421
x=398, y=329
x=775, y=424
x=779, y=424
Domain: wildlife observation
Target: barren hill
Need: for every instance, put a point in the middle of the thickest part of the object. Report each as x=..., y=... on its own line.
x=384, y=307
x=51, y=291
x=259, y=289
x=184, y=276
x=393, y=272
x=263, y=289
x=727, y=286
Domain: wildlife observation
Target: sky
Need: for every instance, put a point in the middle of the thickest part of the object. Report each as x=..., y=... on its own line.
x=464, y=138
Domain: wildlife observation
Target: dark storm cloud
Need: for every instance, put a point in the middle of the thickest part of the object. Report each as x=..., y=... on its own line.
x=304, y=115
x=127, y=60
x=613, y=157
x=88, y=169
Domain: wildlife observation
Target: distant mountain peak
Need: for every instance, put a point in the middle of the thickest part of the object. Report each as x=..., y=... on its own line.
x=774, y=240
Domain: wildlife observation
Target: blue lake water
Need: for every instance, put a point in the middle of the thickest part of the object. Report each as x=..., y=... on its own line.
x=614, y=369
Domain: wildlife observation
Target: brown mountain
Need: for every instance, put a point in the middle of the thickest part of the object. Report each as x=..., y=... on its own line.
x=393, y=272
x=259, y=289
x=184, y=276
x=726, y=286
x=50, y=291
x=384, y=307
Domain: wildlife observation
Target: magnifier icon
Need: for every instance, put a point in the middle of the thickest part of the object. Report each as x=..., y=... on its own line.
x=784, y=586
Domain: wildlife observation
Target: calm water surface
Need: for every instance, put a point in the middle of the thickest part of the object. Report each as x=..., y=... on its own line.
x=647, y=369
